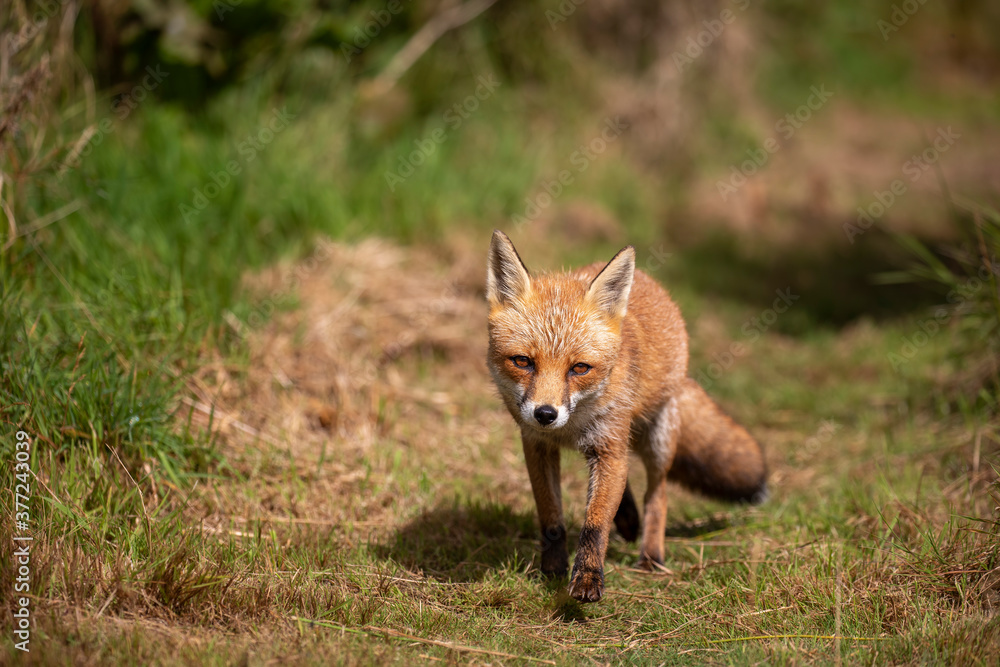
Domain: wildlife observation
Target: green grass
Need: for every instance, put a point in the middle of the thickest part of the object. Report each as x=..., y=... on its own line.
x=846, y=46
x=866, y=537
x=875, y=543
x=165, y=537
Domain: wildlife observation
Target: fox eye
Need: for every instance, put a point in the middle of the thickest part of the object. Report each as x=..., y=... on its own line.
x=580, y=369
x=521, y=361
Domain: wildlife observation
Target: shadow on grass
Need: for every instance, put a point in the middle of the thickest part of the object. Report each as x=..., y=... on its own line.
x=564, y=608
x=699, y=527
x=835, y=283
x=463, y=542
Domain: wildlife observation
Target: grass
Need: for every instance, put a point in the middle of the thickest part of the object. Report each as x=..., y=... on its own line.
x=416, y=541
x=253, y=445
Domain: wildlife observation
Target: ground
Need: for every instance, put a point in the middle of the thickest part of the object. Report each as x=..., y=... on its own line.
x=375, y=506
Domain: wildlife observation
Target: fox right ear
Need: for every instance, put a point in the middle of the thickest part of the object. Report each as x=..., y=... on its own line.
x=506, y=277
x=611, y=288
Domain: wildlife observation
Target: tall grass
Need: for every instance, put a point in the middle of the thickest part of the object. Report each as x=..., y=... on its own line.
x=131, y=223
x=967, y=277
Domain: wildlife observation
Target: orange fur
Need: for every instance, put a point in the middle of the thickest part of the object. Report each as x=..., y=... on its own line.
x=596, y=360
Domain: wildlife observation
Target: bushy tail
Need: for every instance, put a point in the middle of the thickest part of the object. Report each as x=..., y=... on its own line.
x=715, y=455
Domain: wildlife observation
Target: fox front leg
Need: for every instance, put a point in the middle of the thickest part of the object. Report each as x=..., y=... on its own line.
x=608, y=475
x=543, y=471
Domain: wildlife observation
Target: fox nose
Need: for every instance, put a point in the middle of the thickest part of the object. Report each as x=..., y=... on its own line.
x=545, y=414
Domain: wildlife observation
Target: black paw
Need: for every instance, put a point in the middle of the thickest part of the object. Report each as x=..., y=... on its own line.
x=649, y=563
x=587, y=585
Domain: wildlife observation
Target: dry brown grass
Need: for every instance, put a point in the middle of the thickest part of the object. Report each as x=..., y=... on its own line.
x=385, y=345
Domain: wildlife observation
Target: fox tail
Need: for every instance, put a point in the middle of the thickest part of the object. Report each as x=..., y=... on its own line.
x=715, y=455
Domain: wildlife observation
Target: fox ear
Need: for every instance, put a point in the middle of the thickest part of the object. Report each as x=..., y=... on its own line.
x=610, y=289
x=506, y=277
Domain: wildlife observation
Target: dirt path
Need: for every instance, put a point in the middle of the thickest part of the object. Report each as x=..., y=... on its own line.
x=366, y=398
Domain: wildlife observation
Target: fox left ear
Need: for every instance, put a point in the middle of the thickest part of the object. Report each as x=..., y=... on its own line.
x=506, y=277
x=610, y=289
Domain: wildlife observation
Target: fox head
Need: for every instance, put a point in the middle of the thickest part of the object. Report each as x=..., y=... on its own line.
x=554, y=339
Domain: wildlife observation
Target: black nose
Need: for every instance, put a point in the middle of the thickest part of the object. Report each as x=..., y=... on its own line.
x=545, y=414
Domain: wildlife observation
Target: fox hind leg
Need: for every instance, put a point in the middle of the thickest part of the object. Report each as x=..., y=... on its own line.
x=627, y=516
x=656, y=446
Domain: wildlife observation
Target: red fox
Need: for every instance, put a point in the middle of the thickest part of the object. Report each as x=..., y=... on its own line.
x=597, y=360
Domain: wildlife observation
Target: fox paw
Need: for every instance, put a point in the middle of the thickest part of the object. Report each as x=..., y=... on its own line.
x=587, y=585
x=649, y=563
